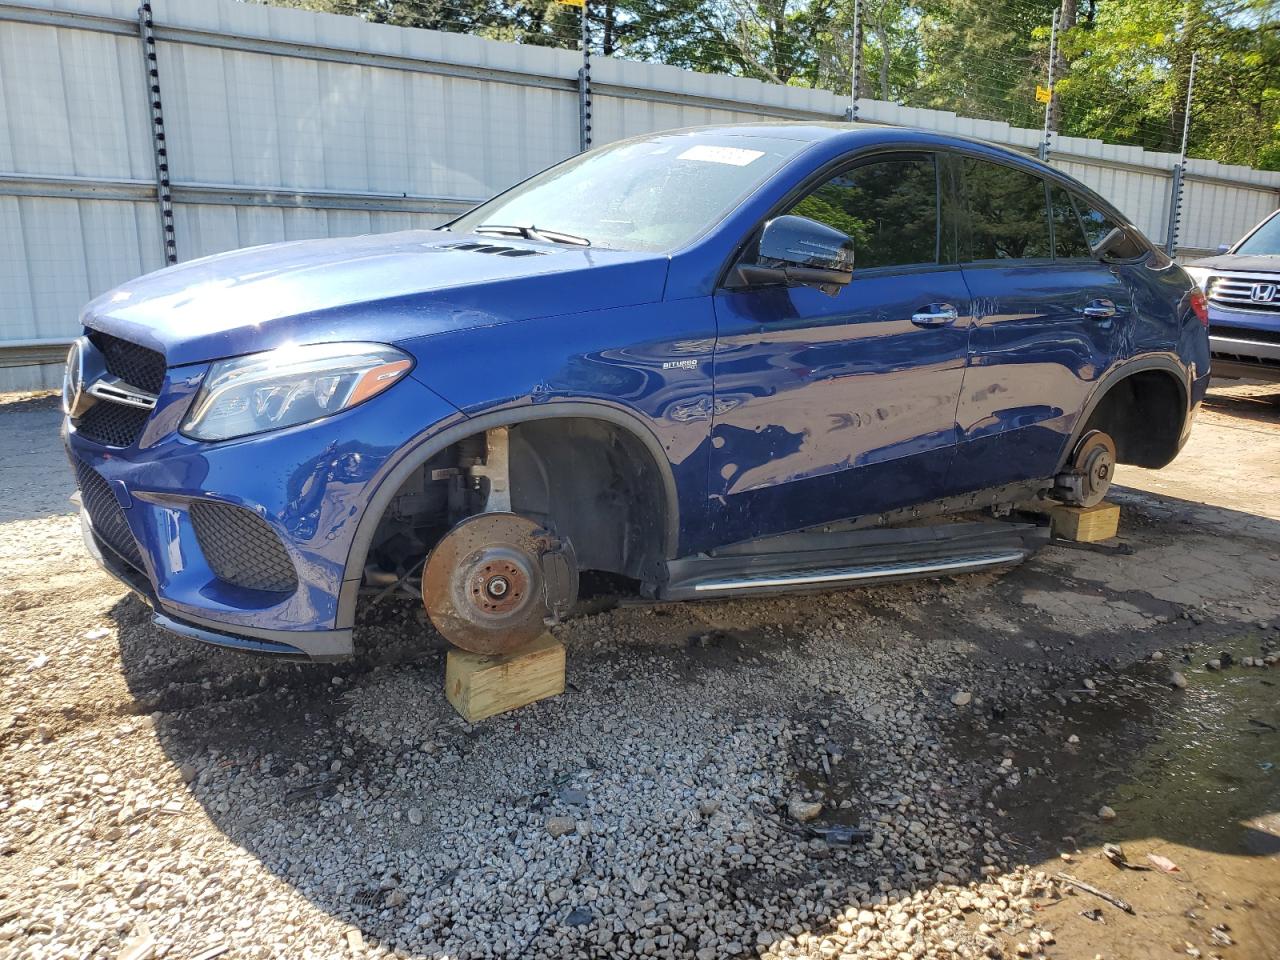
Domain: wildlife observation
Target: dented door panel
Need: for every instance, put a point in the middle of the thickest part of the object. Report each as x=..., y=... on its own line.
x=831, y=407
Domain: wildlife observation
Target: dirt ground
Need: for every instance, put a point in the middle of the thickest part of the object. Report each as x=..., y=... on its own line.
x=899, y=772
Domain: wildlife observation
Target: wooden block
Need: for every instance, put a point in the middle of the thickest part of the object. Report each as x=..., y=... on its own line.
x=1086, y=524
x=481, y=686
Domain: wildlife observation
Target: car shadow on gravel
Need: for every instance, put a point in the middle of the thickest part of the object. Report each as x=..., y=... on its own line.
x=686, y=737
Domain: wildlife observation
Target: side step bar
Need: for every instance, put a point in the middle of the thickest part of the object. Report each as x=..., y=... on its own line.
x=826, y=559
x=800, y=579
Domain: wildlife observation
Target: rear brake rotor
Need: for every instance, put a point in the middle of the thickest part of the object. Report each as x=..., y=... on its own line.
x=1095, y=461
x=492, y=581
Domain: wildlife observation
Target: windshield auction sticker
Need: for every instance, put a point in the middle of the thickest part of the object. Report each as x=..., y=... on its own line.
x=734, y=156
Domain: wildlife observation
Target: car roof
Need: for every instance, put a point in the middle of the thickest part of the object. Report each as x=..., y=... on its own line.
x=815, y=131
x=850, y=135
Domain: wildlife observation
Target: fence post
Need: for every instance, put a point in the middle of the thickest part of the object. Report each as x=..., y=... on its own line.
x=1179, y=168
x=1048, y=105
x=159, y=147
x=856, y=79
x=584, y=82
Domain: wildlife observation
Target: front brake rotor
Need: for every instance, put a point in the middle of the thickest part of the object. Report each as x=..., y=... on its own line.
x=486, y=585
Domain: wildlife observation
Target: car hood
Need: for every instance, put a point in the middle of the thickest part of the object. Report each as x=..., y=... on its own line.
x=1252, y=264
x=384, y=288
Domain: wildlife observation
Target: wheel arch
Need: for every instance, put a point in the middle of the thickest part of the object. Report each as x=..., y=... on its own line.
x=1123, y=377
x=420, y=452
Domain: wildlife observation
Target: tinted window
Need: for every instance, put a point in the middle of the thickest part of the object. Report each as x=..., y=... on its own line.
x=1007, y=214
x=1096, y=224
x=889, y=208
x=1069, y=241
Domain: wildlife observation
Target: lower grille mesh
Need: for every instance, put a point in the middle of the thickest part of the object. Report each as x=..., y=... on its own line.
x=112, y=424
x=241, y=547
x=106, y=515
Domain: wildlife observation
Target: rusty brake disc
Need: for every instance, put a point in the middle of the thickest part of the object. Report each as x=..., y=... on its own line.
x=486, y=585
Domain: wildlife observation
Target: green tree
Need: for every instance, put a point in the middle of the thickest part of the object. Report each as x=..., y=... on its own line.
x=1122, y=65
x=1129, y=67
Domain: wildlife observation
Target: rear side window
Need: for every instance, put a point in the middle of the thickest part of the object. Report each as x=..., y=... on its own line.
x=1069, y=241
x=1096, y=224
x=1006, y=212
x=888, y=207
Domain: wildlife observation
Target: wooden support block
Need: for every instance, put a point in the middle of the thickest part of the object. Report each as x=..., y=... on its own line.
x=1086, y=524
x=481, y=686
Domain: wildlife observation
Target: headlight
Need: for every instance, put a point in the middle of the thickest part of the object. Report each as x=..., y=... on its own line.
x=291, y=385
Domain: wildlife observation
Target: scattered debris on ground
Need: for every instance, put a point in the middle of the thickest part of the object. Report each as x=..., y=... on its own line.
x=931, y=769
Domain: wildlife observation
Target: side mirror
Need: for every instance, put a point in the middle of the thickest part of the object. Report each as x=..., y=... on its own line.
x=1223, y=247
x=797, y=250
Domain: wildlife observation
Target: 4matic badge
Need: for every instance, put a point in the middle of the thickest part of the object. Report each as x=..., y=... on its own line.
x=680, y=365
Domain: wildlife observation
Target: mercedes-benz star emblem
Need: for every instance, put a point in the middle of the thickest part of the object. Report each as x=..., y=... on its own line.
x=75, y=400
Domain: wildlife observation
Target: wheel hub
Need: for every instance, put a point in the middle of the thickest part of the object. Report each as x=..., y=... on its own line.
x=484, y=584
x=1095, y=461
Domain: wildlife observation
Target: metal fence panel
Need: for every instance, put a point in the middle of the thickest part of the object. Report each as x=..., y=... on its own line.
x=284, y=124
x=1215, y=212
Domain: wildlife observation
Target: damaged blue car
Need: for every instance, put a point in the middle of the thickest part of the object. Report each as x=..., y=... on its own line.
x=706, y=363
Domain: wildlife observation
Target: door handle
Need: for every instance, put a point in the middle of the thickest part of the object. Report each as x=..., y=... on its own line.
x=1099, y=309
x=935, y=315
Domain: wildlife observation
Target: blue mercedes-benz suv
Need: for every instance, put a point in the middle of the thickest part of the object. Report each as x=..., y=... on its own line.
x=713, y=362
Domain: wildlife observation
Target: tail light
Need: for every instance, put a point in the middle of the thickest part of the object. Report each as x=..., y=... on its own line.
x=1200, y=305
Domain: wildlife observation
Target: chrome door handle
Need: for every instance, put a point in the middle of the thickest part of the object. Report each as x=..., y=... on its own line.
x=1099, y=309
x=935, y=315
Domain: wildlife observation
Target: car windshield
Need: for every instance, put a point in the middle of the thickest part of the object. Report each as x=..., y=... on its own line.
x=1265, y=241
x=657, y=193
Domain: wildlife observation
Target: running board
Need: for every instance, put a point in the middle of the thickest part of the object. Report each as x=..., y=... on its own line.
x=817, y=561
x=817, y=578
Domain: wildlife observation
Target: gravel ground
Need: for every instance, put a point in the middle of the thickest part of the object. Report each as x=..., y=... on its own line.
x=887, y=772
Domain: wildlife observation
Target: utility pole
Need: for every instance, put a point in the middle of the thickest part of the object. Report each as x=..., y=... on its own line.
x=856, y=87
x=1048, y=103
x=584, y=80
x=1175, y=199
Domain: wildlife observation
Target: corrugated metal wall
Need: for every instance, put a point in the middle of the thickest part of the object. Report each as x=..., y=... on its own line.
x=283, y=124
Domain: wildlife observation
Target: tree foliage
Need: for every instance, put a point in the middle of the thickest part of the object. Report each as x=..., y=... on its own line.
x=1122, y=67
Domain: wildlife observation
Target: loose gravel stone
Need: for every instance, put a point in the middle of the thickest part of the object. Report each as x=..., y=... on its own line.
x=803, y=811
x=778, y=777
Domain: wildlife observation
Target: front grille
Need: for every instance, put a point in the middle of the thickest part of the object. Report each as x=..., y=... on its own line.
x=105, y=514
x=112, y=424
x=1237, y=293
x=241, y=547
x=134, y=364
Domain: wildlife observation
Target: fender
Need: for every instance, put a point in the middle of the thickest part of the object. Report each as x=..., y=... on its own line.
x=431, y=444
x=1121, y=371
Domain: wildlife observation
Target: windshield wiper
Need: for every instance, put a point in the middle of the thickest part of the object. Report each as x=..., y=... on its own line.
x=533, y=233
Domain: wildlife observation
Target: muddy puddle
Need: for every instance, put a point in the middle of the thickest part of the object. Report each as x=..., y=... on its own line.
x=1193, y=777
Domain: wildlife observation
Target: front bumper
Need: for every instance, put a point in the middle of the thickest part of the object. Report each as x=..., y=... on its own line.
x=318, y=645
x=1238, y=356
x=1244, y=343
x=308, y=484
